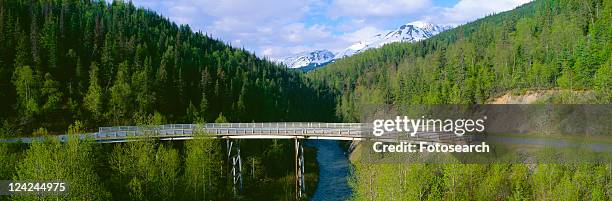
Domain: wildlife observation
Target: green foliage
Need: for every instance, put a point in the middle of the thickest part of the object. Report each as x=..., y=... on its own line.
x=545, y=44
x=139, y=63
x=93, y=98
x=202, y=168
x=133, y=168
x=7, y=129
x=167, y=184
x=50, y=92
x=71, y=162
x=603, y=82
x=8, y=160
x=40, y=132
x=519, y=180
x=479, y=181
x=540, y=45
x=192, y=114
x=120, y=96
x=27, y=85
x=221, y=119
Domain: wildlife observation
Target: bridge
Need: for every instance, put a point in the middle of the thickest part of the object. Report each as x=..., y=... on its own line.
x=234, y=132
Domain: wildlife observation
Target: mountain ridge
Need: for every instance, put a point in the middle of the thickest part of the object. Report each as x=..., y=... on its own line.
x=410, y=32
x=307, y=59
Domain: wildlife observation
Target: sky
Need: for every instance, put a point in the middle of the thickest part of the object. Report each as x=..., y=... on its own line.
x=280, y=28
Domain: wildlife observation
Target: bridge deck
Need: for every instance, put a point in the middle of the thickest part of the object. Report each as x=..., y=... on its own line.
x=280, y=130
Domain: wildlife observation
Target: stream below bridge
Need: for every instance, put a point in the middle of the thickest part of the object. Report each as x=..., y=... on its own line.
x=333, y=171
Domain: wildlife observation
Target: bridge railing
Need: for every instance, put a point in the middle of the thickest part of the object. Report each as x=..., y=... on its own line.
x=272, y=128
x=222, y=129
x=283, y=125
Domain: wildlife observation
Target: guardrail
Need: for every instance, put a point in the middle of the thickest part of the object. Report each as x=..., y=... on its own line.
x=224, y=129
x=298, y=129
x=337, y=131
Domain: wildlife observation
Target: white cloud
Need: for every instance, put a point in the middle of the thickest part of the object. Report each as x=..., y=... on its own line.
x=360, y=34
x=469, y=10
x=278, y=28
x=378, y=8
x=244, y=23
x=296, y=39
x=299, y=33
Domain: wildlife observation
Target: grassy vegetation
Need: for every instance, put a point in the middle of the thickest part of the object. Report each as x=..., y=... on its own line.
x=449, y=179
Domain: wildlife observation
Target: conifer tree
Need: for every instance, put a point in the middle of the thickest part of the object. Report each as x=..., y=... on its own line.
x=27, y=85
x=93, y=98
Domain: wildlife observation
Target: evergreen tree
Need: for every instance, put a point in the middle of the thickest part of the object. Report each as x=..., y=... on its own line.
x=144, y=96
x=27, y=85
x=93, y=98
x=120, y=95
x=49, y=42
x=51, y=94
x=221, y=119
x=168, y=66
x=603, y=83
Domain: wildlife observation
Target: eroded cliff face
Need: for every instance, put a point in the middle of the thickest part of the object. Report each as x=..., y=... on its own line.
x=544, y=96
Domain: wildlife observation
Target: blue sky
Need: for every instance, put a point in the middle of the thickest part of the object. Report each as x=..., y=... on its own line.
x=279, y=28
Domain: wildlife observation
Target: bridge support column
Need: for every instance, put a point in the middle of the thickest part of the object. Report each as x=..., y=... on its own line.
x=300, y=186
x=235, y=162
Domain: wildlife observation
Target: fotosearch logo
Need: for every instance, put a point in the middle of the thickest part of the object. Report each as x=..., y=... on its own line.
x=405, y=124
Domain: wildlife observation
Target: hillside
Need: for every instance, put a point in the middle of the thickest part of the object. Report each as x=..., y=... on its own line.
x=540, y=45
x=558, y=51
x=89, y=63
x=116, y=64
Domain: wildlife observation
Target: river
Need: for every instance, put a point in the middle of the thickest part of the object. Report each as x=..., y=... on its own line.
x=333, y=171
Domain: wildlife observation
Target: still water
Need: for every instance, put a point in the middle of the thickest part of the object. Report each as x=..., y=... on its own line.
x=333, y=171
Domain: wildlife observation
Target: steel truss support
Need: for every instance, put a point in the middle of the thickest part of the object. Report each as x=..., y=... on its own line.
x=235, y=161
x=300, y=187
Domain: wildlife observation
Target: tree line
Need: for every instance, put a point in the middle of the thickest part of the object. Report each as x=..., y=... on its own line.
x=480, y=182
x=559, y=44
x=108, y=64
x=151, y=170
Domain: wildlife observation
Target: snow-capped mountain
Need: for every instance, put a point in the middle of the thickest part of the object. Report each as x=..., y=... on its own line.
x=411, y=32
x=308, y=59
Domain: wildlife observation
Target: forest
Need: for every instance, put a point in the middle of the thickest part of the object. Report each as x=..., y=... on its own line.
x=563, y=46
x=150, y=169
x=112, y=64
x=544, y=45
x=71, y=66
